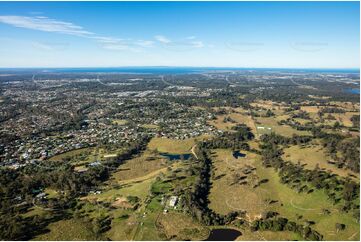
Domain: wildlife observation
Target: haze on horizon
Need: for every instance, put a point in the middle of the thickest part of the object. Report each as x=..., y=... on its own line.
x=221, y=34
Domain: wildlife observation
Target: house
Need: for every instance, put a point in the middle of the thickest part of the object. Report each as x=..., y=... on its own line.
x=95, y=163
x=41, y=195
x=173, y=201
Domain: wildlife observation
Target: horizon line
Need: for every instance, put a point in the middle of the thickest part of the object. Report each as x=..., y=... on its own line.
x=181, y=66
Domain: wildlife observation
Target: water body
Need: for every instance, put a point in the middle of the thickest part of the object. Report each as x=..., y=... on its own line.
x=223, y=235
x=353, y=90
x=176, y=156
x=237, y=154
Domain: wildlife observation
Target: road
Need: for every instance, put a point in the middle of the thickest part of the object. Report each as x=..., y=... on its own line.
x=98, y=80
x=193, y=151
x=167, y=83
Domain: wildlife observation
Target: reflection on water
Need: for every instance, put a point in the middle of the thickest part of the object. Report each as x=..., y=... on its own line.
x=223, y=235
x=176, y=156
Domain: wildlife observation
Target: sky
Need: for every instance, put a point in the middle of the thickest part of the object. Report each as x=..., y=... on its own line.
x=201, y=34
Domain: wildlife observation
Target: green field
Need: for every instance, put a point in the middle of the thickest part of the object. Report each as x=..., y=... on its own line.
x=71, y=229
x=311, y=156
x=225, y=198
x=268, y=125
x=140, y=166
x=171, y=145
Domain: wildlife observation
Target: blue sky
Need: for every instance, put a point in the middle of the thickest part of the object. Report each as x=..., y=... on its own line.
x=224, y=34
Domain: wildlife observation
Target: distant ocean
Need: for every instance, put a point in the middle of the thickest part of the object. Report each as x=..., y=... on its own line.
x=353, y=90
x=168, y=70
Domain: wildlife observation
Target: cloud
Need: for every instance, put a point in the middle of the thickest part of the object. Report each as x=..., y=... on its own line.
x=49, y=46
x=107, y=40
x=145, y=43
x=42, y=46
x=110, y=43
x=45, y=24
x=119, y=47
x=185, y=44
x=197, y=44
x=162, y=39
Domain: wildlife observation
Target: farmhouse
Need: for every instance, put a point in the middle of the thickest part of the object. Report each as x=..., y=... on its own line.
x=173, y=201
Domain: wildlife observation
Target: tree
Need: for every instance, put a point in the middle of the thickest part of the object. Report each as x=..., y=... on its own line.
x=336, y=125
x=339, y=227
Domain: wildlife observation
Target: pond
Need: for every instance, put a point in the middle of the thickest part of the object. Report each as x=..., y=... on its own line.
x=237, y=154
x=223, y=235
x=176, y=156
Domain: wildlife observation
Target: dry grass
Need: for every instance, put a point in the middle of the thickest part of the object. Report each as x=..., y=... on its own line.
x=172, y=145
x=311, y=109
x=150, y=126
x=71, y=229
x=239, y=116
x=84, y=156
x=119, y=121
x=284, y=130
x=139, y=166
x=225, y=196
x=269, y=236
x=268, y=105
x=311, y=156
x=344, y=118
x=288, y=203
x=349, y=106
x=123, y=229
x=182, y=226
x=70, y=154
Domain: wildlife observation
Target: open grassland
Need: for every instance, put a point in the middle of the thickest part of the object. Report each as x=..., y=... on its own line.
x=311, y=156
x=119, y=121
x=132, y=179
x=71, y=154
x=147, y=229
x=127, y=224
x=34, y=211
x=269, y=236
x=302, y=121
x=123, y=227
x=349, y=106
x=274, y=196
x=182, y=227
x=81, y=157
x=70, y=229
x=140, y=166
x=239, y=115
x=220, y=124
x=311, y=109
x=281, y=117
x=227, y=194
x=310, y=206
x=268, y=125
x=174, y=146
x=150, y=126
x=342, y=118
x=138, y=188
x=141, y=223
x=266, y=104
x=51, y=193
